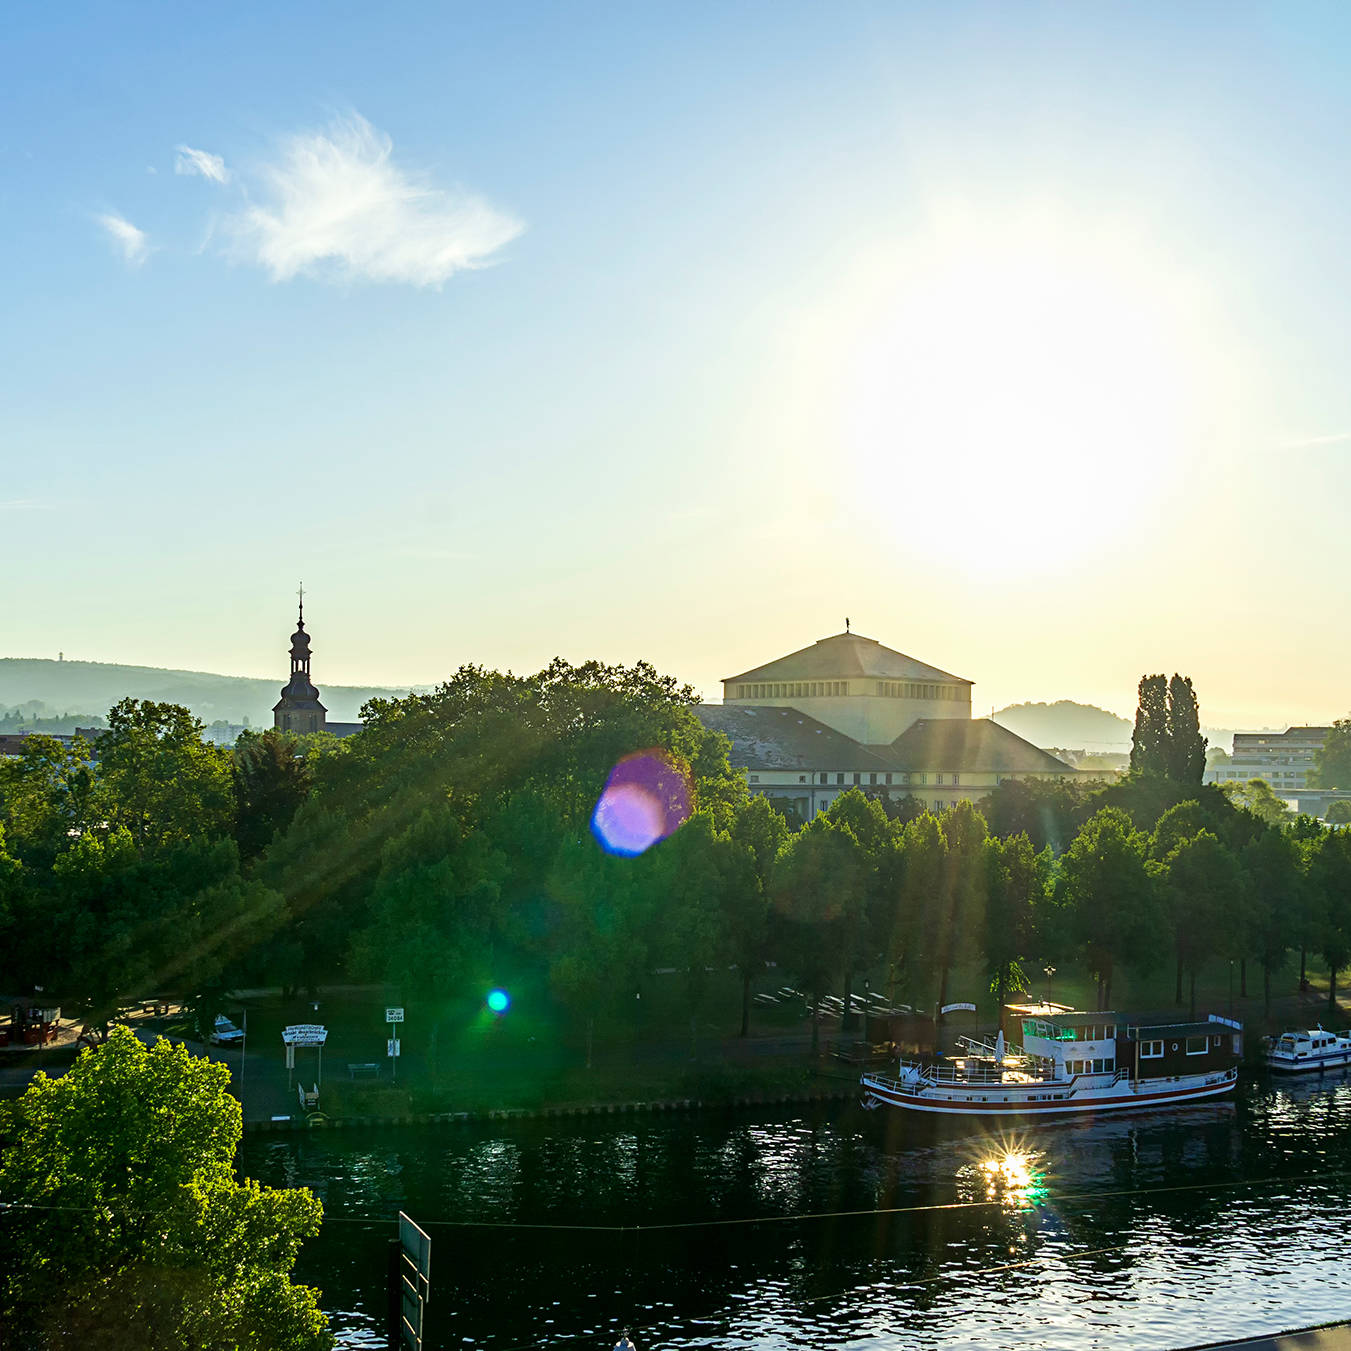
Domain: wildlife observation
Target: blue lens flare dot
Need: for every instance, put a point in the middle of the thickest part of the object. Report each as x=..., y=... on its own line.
x=499, y=1001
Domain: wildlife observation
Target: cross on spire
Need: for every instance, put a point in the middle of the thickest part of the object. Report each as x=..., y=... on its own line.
x=846, y=623
x=301, y=594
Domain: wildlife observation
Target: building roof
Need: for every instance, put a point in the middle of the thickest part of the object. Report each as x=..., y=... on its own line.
x=975, y=745
x=845, y=655
x=765, y=737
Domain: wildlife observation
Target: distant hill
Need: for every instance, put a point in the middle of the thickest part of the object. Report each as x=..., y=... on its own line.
x=1066, y=723
x=94, y=687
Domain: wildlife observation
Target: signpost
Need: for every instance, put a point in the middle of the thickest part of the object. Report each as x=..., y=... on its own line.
x=303, y=1034
x=392, y=1044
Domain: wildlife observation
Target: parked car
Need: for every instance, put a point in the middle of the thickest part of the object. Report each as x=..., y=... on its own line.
x=225, y=1033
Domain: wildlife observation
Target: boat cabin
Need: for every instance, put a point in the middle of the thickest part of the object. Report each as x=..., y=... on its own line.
x=1105, y=1043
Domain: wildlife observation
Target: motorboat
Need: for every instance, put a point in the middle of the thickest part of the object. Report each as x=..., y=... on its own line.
x=1315, y=1049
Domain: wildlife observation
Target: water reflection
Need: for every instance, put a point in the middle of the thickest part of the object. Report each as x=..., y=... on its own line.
x=821, y=1230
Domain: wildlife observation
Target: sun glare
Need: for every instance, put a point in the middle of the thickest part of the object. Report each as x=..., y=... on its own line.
x=1011, y=396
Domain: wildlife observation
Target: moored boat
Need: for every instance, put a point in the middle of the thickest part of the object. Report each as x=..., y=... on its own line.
x=1070, y=1063
x=1315, y=1049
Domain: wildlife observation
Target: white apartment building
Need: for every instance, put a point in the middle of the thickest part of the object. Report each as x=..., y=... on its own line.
x=1283, y=759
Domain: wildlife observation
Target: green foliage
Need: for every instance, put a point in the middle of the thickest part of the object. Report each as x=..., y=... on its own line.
x=272, y=777
x=1339, y=813
x=1258, y=797
x=1207, y=897
x=1108, y=898
x=1329, y=879
x=1048, y=811
x=1149, y=740
x=1332, y=764
x=1167, y=740
x=123, y=1224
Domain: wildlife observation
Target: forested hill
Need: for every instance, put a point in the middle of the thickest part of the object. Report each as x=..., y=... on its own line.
x=1065, y=723
x=94, y=687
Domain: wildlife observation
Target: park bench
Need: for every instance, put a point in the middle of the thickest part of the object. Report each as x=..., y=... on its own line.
x=371, y=1071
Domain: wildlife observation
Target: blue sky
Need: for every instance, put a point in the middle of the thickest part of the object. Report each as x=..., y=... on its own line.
x=1014, y=332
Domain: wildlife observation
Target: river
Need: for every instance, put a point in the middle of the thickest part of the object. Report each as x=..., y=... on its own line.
x=1145, y=1230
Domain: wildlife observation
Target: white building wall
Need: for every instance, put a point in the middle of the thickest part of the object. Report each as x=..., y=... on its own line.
x=866, y=717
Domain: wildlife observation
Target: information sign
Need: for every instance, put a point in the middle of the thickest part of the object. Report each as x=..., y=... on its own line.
x=392, y=1046
x=305, y=1034
x=415, y=1269
x=393, y=1015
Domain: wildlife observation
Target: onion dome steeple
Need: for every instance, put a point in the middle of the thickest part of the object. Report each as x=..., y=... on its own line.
x=299, y=709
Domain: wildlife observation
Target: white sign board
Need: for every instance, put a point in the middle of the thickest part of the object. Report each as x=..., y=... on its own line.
x=953, y=1008
x=392, y=1046
x=305, y=1034
x=393, y=1015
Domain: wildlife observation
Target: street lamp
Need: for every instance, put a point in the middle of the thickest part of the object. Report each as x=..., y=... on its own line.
x=1050, y=971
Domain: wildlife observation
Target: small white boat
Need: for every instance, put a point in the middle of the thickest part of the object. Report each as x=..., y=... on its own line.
x=1316, y=1049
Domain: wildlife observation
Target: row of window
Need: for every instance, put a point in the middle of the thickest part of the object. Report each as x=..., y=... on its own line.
x=824, y=689
x=1090, y=1066
x=886, y=779
x=1094, y=1032
x=801, y=689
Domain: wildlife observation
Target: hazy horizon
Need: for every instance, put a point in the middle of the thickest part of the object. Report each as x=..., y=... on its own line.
x=1013, y=333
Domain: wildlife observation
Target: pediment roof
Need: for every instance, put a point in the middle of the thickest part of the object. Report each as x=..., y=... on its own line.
x=844, y=656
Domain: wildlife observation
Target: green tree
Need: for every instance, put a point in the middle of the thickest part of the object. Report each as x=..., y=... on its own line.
x=122, y=1221
x=159, y=779
x=819, y=898
x=1332, y=764
x=760, y=833
x=1279, y=901
x=1185, y=756
x=1207, y=893
x=272, y=777
x=1339, y=813
x=1330, y=883
x=1258, y=797
x=1015, y=894
x=961, y=904
x=1149, y=740
x=1108, y=897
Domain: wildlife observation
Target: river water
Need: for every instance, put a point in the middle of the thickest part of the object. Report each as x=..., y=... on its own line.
x=1145, y=1230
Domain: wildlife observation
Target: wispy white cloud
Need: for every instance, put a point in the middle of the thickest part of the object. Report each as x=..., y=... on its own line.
x=203, y=162
x=25, y=504
x=337, y=206
x=132, y=243
x=1335, y=439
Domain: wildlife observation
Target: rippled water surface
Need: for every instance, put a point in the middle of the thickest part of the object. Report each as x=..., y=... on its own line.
x=1150, y=1230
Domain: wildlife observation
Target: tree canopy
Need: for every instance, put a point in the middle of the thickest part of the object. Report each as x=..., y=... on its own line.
x=123, y=1223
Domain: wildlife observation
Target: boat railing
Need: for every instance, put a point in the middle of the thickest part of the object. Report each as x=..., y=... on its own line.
x=966, y=1074
x=989, y=1049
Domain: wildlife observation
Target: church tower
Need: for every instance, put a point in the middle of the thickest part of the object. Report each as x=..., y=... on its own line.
x=299, y=709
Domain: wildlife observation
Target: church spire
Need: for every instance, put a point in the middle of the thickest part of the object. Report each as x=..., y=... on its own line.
x=299, y=709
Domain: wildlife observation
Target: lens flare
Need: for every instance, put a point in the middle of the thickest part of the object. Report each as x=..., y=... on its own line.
x=499, y=1001
x=646, y=799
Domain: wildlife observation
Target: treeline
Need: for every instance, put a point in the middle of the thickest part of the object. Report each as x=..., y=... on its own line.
x=447, y=848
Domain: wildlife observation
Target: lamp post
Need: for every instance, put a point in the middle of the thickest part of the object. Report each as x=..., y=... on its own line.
x=1231, y=987
x=1050, y=971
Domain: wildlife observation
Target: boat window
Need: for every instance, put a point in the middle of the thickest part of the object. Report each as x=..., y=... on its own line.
x=1151, y=1050
x=1196, y=1046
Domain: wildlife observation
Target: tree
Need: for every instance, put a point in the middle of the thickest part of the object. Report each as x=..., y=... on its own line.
x=1208, y=897
x=123, y=1224
x=760, y=833
x=1332, y=764
x=1330, y=882
x=1339, y=813
x=272, y=777
x=961, y=914
x=1258, y=797
x=1272, y=866
x=1015, y=893
x=1108, y=896
x=818, y=894
x=1149, y=740
x=159, y=779
x=1167, y=741
x=1185, y=757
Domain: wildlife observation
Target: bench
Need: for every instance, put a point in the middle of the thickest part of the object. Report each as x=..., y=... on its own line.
x=371, y=1071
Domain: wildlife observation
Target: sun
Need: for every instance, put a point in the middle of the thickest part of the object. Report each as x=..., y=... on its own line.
x=1012, y=399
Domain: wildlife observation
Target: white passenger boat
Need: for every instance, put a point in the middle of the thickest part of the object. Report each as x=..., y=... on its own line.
x=1316, y=1049
x=1070, y=1064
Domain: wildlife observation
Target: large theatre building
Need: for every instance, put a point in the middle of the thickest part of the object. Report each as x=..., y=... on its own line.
x=848, y=712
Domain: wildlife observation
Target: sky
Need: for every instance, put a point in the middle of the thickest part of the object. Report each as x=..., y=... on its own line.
x=1014, y=332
